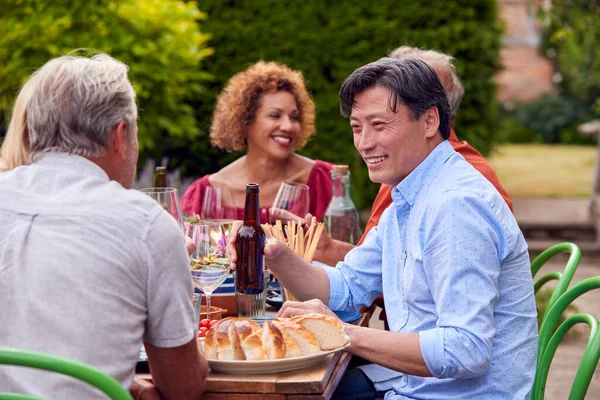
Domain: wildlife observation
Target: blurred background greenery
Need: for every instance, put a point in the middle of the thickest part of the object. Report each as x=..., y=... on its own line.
x=181, y=54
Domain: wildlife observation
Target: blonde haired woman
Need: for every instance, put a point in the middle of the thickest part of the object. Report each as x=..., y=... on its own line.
x=15, y=147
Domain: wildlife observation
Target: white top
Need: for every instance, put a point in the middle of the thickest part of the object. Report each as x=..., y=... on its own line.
x=87, y=268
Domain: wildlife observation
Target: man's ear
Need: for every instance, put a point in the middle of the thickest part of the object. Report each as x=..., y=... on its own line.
x=432, y=121
x=119, y=140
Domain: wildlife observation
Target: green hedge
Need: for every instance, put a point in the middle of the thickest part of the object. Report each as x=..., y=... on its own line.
x=160, y=40
x=327, y=41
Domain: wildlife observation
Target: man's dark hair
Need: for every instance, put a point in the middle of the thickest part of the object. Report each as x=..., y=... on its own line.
x=411, y=82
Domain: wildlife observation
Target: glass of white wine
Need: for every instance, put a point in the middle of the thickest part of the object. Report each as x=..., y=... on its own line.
x=209, y=264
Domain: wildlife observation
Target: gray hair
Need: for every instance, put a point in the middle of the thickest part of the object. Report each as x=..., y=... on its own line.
x=411, y=81
x=436, y=60
x=77, y=103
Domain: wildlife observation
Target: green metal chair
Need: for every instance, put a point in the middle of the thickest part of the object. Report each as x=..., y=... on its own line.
x=563, y=278
x=107, y=384
x=550, y=339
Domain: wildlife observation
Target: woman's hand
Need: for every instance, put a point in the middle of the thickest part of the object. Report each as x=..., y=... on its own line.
x=285, y=215
x=292, y=308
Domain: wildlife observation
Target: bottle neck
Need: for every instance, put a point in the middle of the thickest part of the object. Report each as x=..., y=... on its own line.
x=160, y=178
x=341, y=185
x=252, y=209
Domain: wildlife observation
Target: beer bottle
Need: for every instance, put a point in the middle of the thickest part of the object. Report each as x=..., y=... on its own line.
x=160, y=177
x=250, y=288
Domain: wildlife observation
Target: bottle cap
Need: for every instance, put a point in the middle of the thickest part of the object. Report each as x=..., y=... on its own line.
x=160, y=169
x=339, y=170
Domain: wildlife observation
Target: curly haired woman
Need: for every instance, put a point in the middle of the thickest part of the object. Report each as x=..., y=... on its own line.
x=267, y=111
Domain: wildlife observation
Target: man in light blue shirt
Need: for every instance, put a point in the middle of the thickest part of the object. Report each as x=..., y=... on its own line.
x=447, y=254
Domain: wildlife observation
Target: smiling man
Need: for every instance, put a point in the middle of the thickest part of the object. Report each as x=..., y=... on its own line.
x=447, y=255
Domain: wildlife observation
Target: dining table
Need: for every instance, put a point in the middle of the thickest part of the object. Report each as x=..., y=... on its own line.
x=317, y=382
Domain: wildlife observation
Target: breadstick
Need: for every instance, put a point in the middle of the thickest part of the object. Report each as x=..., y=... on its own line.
x=315, y=241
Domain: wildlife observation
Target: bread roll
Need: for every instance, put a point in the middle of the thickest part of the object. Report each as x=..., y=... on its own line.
x=249, y=334
x=328, y=330
x=243, y=339
x=210, y=342
x=228, y=341
x=307, y=341
x=292, y=348
x=272, y=340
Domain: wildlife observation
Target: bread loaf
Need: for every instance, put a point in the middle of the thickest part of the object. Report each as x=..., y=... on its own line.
x=243, y=339
x=249, y=334
x=210, y=343
x=273, y=341
x=292, y=349
x=224, y=342
x=307, y=341
x=328, y=330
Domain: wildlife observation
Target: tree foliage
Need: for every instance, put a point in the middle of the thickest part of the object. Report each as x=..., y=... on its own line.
x=571, y=37
x=160, y=40
x=327, y=42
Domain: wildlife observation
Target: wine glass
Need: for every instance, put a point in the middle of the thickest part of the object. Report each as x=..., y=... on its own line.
x=215, y=208
x=291, y=202
x=209, y=264
x=212, y=204
x=168, y=198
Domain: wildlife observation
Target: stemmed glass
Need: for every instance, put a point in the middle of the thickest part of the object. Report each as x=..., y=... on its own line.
x=215, y=208
x=168, y=198
x=291, y=202
x=209, y=264
x=212, y=204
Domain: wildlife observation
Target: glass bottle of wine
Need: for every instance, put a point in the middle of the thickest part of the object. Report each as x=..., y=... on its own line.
x=341, y=216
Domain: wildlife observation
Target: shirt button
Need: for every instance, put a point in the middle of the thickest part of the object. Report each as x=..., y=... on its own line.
x=404, y=256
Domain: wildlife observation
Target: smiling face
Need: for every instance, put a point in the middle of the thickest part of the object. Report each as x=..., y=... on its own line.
x=392, y=143
x=276, y=126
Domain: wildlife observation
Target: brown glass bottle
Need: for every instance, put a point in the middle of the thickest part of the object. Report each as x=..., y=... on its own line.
x=160, y=177
x=250, y=243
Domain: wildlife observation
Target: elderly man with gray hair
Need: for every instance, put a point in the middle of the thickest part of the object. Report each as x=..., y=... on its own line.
x=447, y=255
x=90, y=269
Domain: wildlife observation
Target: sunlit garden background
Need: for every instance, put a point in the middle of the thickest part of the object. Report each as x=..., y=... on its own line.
x=181, y=54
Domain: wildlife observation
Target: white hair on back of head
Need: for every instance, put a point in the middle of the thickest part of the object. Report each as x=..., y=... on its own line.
x=452, y=84
x=76, y=104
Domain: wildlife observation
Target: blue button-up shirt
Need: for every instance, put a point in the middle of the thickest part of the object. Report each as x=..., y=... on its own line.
x=452, y=264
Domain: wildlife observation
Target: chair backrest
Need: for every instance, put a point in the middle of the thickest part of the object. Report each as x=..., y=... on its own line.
x=563, y=278
x=107, y=384
x=550, y=339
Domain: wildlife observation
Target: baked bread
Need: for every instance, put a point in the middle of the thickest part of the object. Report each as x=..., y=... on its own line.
x=292, y=348
x=210, y=342
x=272, y=340
x=249, y=334
x=328, y=330
x=307, y=341
x=222, y=342
x=243, y=339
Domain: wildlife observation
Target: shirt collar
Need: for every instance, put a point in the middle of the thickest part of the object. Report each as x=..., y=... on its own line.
x=408, y=190
x=74, y=163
